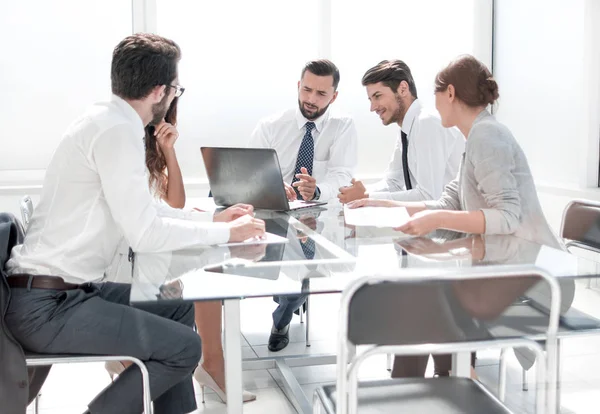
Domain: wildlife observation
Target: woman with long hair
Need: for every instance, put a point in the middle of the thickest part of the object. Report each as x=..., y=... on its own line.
x=166, y=183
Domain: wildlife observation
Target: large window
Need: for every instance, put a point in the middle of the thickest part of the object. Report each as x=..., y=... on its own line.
x=55, y=62
x=241, y=61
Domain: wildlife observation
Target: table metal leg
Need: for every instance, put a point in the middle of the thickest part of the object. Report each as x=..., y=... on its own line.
x=293, y=389
x=461, y=364
x=233, y=356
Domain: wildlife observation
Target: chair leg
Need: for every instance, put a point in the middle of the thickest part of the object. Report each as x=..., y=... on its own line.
x=558, y=373
x=525, y=383
x=307, y=321
x=502, y=375
x=589, y=283
x=36, y=404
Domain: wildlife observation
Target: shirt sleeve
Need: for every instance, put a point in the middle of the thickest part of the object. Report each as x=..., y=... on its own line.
x=259, y=137
x=119, y=160
x=449, y=199
x=342, y=161
x=493, y=165
x=164, y=210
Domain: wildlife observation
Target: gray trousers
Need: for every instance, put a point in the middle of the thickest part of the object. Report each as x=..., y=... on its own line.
x=97, y=320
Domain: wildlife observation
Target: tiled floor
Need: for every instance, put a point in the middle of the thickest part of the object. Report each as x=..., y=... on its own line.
x=70, y=387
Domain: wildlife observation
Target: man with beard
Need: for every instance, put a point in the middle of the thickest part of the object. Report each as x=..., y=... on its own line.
x=96, y=192
x=317, y=151
x=427, y=155
x=315, y=145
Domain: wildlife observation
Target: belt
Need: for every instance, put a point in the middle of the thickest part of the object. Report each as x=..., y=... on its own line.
x=40, y=282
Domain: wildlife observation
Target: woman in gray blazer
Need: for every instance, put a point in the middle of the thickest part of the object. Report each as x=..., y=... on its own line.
x=494, y=192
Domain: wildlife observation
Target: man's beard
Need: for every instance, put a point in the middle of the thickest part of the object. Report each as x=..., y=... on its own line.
x=159, y=111
x=399, y=113
x=312, y=116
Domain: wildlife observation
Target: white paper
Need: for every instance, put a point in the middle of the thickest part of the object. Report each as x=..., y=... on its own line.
x=376, y=216
x=269, y=238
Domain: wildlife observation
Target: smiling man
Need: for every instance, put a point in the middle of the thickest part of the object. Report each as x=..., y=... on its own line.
x=317, y=152
x=427, y=155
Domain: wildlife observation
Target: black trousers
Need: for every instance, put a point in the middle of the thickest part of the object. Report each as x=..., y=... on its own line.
x=415, y=366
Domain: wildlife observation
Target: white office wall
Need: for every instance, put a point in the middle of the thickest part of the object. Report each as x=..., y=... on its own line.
x=546, y=63
x=55, y=61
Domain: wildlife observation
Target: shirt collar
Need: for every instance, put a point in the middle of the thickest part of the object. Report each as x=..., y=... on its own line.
x=319, y=122
x=128, y=111
x=413, y=111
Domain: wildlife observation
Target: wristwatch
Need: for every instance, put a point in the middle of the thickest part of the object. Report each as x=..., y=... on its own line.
x=317, y=193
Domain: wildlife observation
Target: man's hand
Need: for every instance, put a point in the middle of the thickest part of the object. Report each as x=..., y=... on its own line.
x=356, y=191
x=166, y=135
x=234, y=212
x=289, y=192
x=245, y=228
x=422, y=223
x=307, y=185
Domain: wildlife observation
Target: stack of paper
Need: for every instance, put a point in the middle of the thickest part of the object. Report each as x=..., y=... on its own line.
x=376, y=216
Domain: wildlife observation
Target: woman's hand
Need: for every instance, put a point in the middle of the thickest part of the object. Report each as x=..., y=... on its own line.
x=370, y=202
x=422, y=223
x=166, y=135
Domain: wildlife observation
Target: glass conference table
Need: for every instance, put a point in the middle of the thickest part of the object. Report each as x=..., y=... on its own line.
x=324, y=255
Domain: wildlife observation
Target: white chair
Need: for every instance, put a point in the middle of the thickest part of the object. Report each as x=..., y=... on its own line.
x=26, y=210
x=368, y=313
x=580, y=228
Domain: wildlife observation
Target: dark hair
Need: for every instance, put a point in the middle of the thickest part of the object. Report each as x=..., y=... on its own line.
x=155, y=159
x=142, y=61
x=323, y=67
x=391, y=73
x=472, y=81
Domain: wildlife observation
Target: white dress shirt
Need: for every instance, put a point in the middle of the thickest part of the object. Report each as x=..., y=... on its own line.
x=96, y=192
x=335, y=141
x=434, y=154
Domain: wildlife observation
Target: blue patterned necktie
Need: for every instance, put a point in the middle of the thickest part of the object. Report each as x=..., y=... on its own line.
x=306, y=154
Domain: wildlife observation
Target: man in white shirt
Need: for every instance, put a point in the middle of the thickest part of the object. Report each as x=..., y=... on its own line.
x=427, y=155
x=316, y=146
x=317, y=151
x=95, y=192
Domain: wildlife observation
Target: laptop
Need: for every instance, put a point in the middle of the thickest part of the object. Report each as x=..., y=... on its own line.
x=250, y=176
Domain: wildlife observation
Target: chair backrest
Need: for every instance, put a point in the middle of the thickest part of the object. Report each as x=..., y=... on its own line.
x=447, y=309
x=26, y=210
x=581, y=224
x=435, y=311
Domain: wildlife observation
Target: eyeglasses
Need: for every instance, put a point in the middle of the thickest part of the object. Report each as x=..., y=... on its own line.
x=179, y=90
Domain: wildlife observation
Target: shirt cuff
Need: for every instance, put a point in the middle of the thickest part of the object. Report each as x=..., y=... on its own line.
x=200, y=216
x=218, y=233
x=493, y=221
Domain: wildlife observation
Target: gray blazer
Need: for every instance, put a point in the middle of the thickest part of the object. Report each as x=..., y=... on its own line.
x=494, y=177
x=18, y=385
